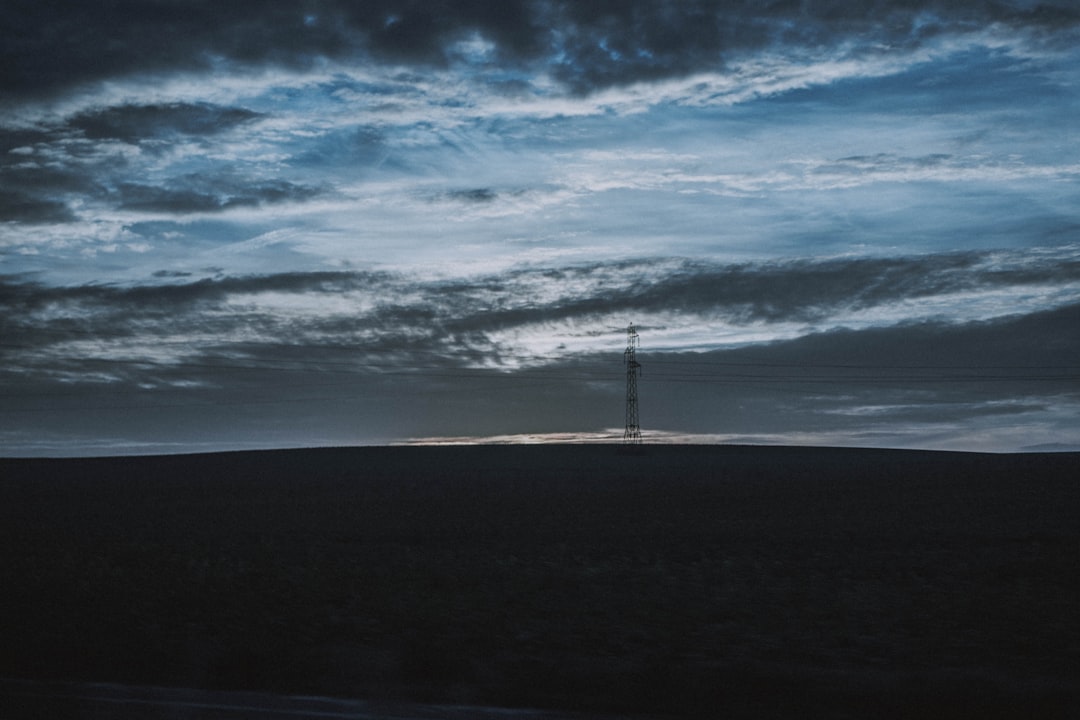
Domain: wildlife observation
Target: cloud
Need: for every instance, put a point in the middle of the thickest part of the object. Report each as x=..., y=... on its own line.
x=82, y=166
x=800, y=291
x=508, y=318
x=936, y=167
x=37, y=183
x=474, y=195
x=20, y=207
x=588, y=46
x=132, y=123
x=691, y=173
x=30, y=296
x=621, y=43
x=202, y=194
x=319, y=128
x=66, y=164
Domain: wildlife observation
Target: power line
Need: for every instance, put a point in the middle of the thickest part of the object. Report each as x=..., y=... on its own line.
x=859, y=366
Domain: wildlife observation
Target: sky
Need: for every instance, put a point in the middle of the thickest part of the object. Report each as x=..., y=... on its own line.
x=230, y=225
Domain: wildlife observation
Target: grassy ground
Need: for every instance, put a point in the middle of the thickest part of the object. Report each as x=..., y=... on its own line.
x=695, y=581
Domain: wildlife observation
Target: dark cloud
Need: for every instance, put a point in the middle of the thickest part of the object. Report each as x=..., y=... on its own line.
x=19, y=140
x=132, y=123
x=51, y=46
x=45, y=47
x=803, y=291
x=37, y=182
x=146, y=198
x=199, y=194
x=18, y=296
x=20, y=207
x=189, y=234
x=606, y=43
x=474, y=195
x=44, y=168
x=58, y=173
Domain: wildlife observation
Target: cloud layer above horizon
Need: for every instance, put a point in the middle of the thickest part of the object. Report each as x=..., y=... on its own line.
x=278, y=223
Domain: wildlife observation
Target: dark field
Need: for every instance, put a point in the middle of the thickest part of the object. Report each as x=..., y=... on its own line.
x=686, y=581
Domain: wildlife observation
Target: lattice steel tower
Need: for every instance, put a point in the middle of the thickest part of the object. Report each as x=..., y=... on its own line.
x=632, y=434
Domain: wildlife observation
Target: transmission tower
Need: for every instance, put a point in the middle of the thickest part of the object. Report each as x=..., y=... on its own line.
x=632, y=435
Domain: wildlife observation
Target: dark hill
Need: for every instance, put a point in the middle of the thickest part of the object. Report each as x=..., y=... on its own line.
x=686, y=580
